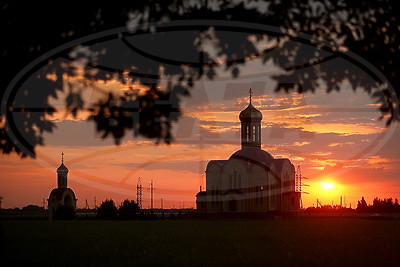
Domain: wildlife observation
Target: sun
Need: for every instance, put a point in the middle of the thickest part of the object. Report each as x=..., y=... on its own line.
x=327, y=185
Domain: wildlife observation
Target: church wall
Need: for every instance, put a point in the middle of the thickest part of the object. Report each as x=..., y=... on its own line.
x=234, y=175
x=258, y=189
x=273, y=189
x=288, y=176
x=213, y=187
x=235, y=182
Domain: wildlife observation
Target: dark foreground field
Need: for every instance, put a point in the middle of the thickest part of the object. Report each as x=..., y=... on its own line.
x=270, y=242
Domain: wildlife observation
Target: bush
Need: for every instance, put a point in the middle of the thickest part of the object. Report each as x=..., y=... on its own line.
x=107, y=210
x=129, y=209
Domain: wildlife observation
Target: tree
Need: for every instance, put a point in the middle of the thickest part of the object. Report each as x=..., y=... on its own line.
x=128, y=209
x=362, y=205
x=338, y=29
x=107, y=209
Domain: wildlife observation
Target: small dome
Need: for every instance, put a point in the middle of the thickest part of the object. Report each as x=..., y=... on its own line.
x=62, y=168
x=253, y=155
x=250, y=114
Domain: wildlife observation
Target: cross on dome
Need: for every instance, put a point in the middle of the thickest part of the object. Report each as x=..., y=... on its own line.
x=250, y=93
x=62, y=157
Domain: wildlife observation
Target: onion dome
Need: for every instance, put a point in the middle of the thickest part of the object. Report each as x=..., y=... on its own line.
x=250, y=114
x=62, y=168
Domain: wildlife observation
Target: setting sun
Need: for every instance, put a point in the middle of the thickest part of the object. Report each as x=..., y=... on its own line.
x=327, y=185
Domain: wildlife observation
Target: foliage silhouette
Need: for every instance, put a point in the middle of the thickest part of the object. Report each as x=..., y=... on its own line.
x=107, y=210
x=385, y=205
x=369, y=29
x=362, y=205
x=128, y=209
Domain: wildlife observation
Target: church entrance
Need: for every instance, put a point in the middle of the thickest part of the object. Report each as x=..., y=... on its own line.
x=68, y=201
x=233, y=205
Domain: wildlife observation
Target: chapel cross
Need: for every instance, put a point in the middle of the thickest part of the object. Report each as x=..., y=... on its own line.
x=251, y=93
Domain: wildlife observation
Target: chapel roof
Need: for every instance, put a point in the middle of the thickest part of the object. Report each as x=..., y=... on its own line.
x=253, y=155
x=58, y=193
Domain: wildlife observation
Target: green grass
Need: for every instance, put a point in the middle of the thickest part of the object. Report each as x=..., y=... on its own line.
x=271, y=242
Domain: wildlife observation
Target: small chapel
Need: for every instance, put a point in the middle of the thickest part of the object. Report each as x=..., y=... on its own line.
x=62, y=200
x=251, y=180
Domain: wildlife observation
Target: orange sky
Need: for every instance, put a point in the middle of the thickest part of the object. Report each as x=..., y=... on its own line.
x=335, y=138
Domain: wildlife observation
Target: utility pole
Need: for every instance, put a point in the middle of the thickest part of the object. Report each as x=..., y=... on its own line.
x=162, y=204
x=95, y=205
x=151, y=196
x=139, y=193
x=87, y=205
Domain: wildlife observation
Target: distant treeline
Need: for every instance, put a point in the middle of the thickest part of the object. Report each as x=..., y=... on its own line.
x=129, y=210
x=329, y=208
x=379, y=205
x=385, y=205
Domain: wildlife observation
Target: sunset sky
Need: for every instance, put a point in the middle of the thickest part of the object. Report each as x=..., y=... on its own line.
x=342, y=147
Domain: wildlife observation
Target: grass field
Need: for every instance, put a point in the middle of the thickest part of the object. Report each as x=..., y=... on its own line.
x=327, y=241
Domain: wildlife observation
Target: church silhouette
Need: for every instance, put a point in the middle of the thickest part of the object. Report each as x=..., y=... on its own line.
x=251, y=180
x=62, y=200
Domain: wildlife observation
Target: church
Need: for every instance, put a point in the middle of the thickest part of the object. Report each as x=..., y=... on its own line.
x=62, y=200
x=251, y=180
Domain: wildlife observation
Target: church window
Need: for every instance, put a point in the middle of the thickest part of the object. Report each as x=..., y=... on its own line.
x=254, y=133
